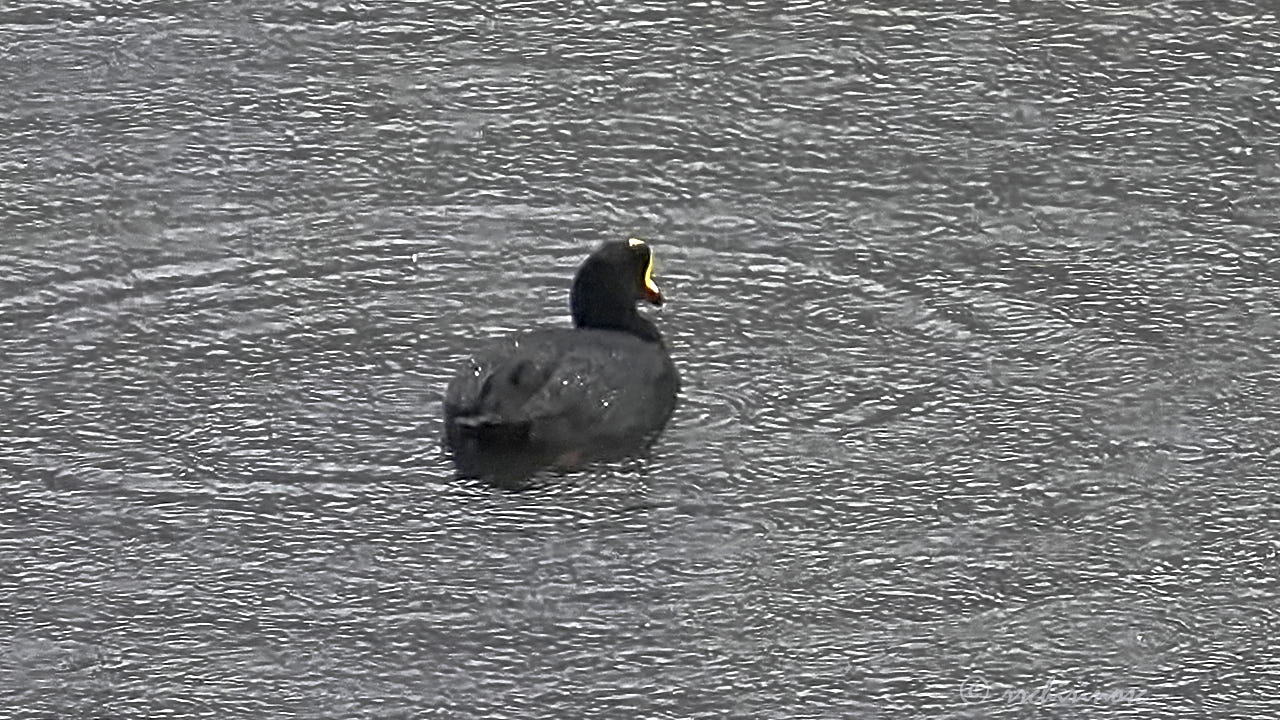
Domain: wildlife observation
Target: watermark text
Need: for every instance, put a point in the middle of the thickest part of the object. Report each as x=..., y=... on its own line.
x=1051, y=692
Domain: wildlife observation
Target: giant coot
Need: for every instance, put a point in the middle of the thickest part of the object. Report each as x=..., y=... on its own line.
x=603, y=388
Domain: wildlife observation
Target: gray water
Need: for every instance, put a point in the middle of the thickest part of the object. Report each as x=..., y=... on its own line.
x=976, y=312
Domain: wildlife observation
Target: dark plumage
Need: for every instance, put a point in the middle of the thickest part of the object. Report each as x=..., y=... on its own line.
x=562, y=396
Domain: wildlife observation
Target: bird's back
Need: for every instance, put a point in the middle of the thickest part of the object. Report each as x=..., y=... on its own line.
x=561, y=391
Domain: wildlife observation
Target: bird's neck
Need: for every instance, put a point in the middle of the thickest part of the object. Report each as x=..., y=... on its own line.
x=593, y=309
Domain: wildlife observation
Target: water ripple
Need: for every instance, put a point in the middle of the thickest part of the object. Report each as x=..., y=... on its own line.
x=974, y=310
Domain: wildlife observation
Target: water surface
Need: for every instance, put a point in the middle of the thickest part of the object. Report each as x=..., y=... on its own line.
x=975, y=311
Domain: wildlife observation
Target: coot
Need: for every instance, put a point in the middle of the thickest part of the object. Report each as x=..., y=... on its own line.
x=561, y=397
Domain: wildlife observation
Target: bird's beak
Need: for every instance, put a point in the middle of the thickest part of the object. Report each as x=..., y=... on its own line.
x=651, y=291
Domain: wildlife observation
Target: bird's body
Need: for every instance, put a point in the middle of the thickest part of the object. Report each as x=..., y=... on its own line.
x=604, y=388
x=563, y=392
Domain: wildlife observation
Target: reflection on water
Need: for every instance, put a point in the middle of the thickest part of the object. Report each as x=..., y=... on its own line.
x=975, y=313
